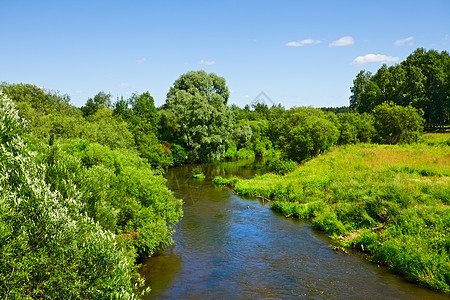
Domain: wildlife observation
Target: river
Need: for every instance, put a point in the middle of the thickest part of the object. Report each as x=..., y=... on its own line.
x=229, y=247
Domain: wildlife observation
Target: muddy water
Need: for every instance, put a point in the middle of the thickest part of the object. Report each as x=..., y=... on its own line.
x=228, y=247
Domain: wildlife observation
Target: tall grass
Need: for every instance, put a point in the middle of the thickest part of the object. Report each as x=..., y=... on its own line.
x=392, y=202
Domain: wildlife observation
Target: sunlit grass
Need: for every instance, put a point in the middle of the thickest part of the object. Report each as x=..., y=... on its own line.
x=396, y=198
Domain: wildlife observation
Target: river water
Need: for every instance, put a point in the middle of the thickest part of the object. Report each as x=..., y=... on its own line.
x=229, y=247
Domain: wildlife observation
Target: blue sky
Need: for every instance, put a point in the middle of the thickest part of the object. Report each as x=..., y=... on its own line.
x=299, y=53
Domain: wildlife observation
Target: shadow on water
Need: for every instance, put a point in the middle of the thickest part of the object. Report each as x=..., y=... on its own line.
x=227, y=247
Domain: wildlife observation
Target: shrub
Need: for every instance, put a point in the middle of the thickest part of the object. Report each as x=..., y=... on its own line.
x=198, y=173
x=397, y=124
x=245, y=153
x=355, y=128
x=231, y=152
x=281, y=165
x=311, y=138
x=179, y=155
x=224, y=181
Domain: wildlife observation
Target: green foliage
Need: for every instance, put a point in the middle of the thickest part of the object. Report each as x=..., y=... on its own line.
x=149, y=147
x=138, y=109
x=360, y=99
x=101, y=100
x=397, y=124
x=231, y=151
x=168, y=127
x=243, y=135
x=421, y=81
x=120, y=190
x=356, y=128
x=262, y=147
x=310, y=136
x=368, y=241
x=203, y=120
x=225, y=181
x=106, y=129
x=99, y=166
x=329, y=223
x=142, y=119
x=143, y=107
x=38, y=99
x=336, y=110
x=302, y=132
x=178, y=154
x=245, y=153
x=47, y=112
x=198, y=173
x=49, y=249
x=281, y=166
x=250, y=138
x=416, y=245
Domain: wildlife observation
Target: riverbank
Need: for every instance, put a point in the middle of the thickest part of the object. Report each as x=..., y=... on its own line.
x=392, y=202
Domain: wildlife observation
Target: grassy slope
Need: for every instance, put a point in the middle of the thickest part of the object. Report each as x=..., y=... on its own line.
x=390, y=201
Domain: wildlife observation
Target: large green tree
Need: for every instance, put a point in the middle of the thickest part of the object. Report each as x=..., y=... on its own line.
x=198, y=101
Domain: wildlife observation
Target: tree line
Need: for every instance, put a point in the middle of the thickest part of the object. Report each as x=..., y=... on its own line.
x=422, y=81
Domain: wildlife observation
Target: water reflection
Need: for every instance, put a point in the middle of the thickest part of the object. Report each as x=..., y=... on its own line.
x=227, y=247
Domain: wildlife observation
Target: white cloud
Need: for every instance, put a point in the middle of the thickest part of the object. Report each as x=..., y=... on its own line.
x=207, y=62
x=406, y=41
x=343, y=41
x=141, y=61
x=302, y=43
x=374, y=58
x=124, y=84
x=78, y=92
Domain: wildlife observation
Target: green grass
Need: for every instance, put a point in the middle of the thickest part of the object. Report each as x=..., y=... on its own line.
x=225, y=181
x=392, y=202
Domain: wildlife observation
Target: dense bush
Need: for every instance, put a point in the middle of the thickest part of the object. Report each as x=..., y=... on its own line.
x=281, y=165
x=310, y=138
x=49, y=248
x=178, y=154
x=355, y=128
x=119, y=190
x=397, y=124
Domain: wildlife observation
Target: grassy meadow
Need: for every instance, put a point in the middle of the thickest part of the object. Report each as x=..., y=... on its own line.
x=390, y=201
